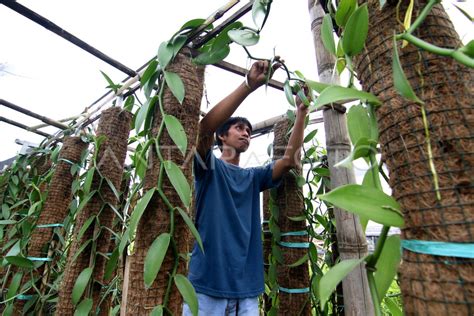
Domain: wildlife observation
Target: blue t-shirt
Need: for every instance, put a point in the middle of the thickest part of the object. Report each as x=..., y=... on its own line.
x=228, y=220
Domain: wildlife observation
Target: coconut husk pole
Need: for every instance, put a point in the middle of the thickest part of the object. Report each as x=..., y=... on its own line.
x=156, y=218
x=59, y=197
x=293, y=282
x=350, y=236
x=267, y=242
x=430, y=284
x=114, y=125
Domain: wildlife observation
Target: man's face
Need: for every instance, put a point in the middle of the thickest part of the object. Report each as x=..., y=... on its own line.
x=238, y=137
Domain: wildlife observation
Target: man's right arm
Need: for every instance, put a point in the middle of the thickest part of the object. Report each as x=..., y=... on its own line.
x=225, y=108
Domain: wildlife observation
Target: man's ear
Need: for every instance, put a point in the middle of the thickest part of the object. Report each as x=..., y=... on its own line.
x=221, y=137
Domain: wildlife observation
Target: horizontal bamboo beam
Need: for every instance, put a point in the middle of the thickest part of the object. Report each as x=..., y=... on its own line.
x=266, y=126
x=32, y=114
x=47, y=24
x=29, y=129
x=67, y=119
x=237, y=15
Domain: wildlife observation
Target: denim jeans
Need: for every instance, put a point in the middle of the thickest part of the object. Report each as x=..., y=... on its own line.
x=217, y=306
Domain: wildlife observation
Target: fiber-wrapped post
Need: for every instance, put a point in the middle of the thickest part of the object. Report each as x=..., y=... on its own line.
x=114, y=126
x=267, y=242
x=435, y=189
x=156, y=218
x=58, y=199
x=293, y=281
x=56, y=205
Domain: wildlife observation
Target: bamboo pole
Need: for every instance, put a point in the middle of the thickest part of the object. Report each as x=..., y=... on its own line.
x=50, y=26
x=350, y=236
x=67, y=119
x=32, y=114
x=23, y=126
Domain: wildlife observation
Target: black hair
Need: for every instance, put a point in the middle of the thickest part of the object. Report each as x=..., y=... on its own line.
x=224, y=128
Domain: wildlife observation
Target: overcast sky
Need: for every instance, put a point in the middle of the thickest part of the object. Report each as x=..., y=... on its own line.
x=50, y=76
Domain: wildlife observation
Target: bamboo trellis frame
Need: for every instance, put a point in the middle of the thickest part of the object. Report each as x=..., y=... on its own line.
x=133, y=76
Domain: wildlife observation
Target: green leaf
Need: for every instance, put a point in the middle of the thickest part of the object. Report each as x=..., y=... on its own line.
x=393, y=307
x=387, y=265
x=84, y=307
x=191, y=226
x=289, y=93
x=468, y=49
x=322, y=171
x=14, y=285
x=5, y=211
x=178, y=43
x=154, y=258
x=223, y=38
x=334, y=94
x=300, y=181
x=340, y=65
x=259, y=11
x=21, y=262
x=157, y=311
x=129, y=103
x=179, y=182
x=345, y=8
x=300, y=261
x=142, y=114
x=111, y=264
x=8, y=222
x=176, y=132
x=370, y=202
x=150, y=85
x=176, y=85
x=467, y=15
x=192, y=24
x=88, y=180
x=316, y=86
x=310, y=136
x=187, y=291
x=244, y=37
x=115, y=310
x=14, y=250
x=358, y=123
x=327, y=35
x=355, y=32
x=112, y=187
x=81, y=249
x=399, y=79
x=149, y=72
x=138, y=211
x=371, y=177
x=363, y=148
x=212, y=56
x=80, y=285
x=165, y=54
x=84, y=227
x=111, y=85
x=336, y=274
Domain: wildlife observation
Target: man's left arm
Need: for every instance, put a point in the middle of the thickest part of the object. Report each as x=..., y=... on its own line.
x=291, y=159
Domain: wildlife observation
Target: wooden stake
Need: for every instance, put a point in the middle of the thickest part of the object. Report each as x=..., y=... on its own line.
x=350, y=236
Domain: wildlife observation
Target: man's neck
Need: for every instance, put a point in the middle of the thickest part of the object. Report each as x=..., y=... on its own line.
x=230, y=156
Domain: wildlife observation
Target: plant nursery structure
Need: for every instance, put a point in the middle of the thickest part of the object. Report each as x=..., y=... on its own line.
x=84, y=231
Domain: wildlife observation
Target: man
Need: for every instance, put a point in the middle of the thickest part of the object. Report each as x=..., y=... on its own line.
x=228, y=276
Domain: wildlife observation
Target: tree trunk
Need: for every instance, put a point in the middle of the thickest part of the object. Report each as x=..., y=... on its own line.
x=350, y=236
x=430, y=284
